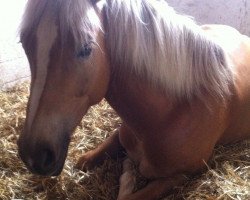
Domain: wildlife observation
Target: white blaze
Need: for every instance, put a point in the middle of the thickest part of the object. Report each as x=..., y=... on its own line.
x=46, y=36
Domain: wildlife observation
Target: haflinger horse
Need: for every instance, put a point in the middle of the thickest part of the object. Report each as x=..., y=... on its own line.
x=179, y=88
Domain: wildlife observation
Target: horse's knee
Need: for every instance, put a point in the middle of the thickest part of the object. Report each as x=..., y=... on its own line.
x=88, y=161
x=147, y=170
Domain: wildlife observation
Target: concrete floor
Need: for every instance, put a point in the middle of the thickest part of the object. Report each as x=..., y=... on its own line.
x=13, y=63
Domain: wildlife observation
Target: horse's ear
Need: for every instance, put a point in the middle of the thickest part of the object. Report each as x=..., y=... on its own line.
x=94, y=1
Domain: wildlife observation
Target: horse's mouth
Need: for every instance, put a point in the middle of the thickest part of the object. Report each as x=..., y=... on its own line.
x=54, y=170
x=59, y=166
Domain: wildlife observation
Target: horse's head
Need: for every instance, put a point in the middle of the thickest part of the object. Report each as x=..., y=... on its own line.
x=65, y=48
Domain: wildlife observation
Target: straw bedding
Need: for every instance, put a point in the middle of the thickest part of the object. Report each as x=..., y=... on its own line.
x=227, y=177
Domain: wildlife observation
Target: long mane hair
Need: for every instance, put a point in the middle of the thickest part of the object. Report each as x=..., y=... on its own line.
x=168, y=50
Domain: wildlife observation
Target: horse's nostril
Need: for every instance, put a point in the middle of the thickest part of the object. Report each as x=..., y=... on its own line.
x=45, y=161
x=48, y=158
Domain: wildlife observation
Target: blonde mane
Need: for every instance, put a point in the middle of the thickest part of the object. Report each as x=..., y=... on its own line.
x=148, y=38
x=77, y=17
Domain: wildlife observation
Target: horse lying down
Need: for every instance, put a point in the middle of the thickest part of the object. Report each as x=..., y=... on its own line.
x=179, y=88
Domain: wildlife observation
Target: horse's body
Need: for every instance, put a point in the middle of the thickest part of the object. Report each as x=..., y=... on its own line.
x=196, y=96
x=237, y=47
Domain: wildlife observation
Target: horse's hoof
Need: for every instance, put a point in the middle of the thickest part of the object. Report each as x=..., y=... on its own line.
x=85, y=162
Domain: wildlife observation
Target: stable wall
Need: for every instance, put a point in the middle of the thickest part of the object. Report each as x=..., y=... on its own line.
x=235, y=13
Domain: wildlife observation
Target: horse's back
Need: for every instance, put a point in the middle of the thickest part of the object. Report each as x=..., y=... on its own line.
x=237, y=48
x=229, y=38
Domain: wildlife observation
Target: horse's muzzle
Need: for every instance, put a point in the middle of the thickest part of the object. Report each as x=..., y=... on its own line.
x=41, y=157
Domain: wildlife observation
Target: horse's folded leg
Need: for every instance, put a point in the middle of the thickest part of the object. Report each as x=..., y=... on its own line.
x=111, y=147
x=155, y=189
x=127, y=180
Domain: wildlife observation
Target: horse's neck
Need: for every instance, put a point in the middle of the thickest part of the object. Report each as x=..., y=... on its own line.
x=137, y=103
x=149, y=112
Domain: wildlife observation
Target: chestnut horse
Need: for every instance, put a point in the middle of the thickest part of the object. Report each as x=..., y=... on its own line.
x=179, y=88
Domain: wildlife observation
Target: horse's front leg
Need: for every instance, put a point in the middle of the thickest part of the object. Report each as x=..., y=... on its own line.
x=111, y=147
x=153, y=191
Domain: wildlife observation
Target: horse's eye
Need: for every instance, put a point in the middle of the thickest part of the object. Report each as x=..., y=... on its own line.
x=85, y=51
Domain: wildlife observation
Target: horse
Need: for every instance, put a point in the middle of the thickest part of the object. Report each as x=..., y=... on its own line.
x=179, y=88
